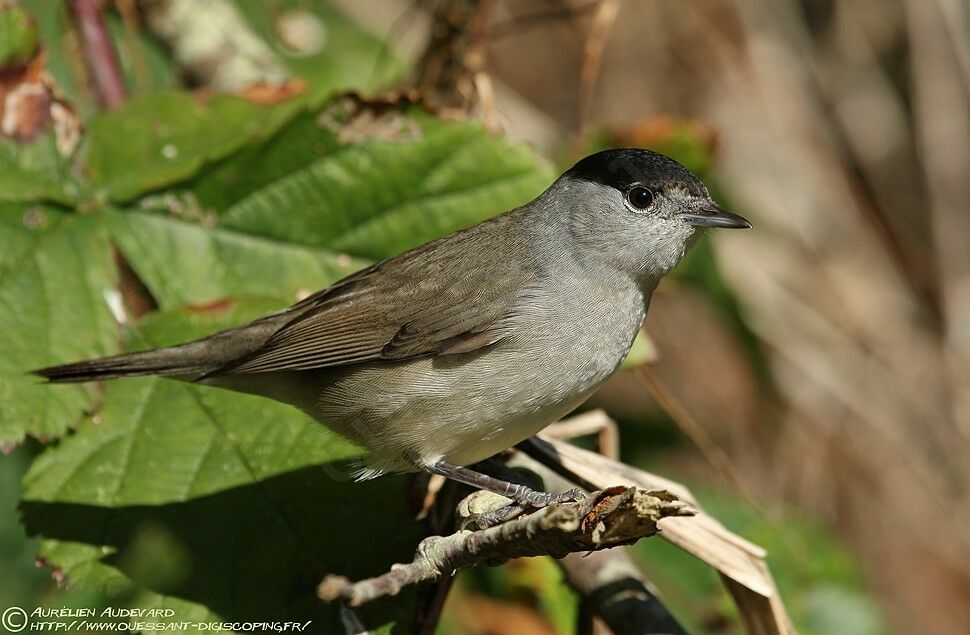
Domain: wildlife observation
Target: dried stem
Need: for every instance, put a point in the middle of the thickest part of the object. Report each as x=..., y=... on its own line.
x=599, y=32
x=588, y=423
x=452, y=68
x=694, y=431
x=540, y=16
x=740, y=563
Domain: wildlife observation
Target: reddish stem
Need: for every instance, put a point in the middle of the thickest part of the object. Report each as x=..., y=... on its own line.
x=99, y=52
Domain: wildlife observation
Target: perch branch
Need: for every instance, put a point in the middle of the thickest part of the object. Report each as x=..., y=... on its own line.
x=609, y=583
x=607, y=518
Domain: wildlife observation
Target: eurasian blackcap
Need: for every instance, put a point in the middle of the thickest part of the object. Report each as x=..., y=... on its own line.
x=454, y=351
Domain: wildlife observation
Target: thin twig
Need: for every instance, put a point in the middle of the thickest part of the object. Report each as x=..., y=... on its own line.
x=128, y=10
x=592, y=422
x=694, y=431
x=605, y=519
x=99, y=52
x=102, y=61
x=599, y=32
x=544, y=15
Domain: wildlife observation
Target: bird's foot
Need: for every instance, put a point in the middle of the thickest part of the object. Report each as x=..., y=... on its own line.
x=533, y=498
x=498, y=516
x=525, y=502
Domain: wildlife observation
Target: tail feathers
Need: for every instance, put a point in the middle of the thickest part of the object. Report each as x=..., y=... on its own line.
x=165, y=361
x=191, y=360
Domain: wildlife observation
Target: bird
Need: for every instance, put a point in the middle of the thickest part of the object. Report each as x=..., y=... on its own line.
x=452, y=352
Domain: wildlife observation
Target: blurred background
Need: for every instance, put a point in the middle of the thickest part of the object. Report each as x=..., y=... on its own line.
x=820, y=362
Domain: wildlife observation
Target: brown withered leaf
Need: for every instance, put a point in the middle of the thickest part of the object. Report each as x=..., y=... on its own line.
x=31, y=104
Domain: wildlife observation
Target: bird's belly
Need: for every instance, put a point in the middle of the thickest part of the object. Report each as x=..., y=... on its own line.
x=462, y=408
x=486, y=438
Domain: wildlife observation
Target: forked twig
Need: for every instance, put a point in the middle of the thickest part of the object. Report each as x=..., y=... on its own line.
x=603, y=20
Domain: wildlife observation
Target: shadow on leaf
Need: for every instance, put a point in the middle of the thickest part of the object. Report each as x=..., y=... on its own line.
x=255, y=552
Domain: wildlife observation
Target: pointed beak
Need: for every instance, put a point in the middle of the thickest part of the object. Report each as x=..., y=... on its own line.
x=713, y=216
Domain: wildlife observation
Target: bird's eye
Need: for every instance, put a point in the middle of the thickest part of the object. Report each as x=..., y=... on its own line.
x=640, y=197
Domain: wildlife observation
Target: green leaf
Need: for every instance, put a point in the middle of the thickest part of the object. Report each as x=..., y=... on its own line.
x=23, y=581
x=379, y=198
x=35, y=172
x=245, y=499
x=183, y=262
x=18, y=36
x=55, y=272
x=643, y=351
x=299, y=143
x=329, y=216
x=158, y=140
x=225, y=505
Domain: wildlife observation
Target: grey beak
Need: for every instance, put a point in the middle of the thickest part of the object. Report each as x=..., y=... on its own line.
x=714, y=216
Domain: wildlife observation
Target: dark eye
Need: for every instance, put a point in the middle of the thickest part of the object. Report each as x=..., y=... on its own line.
x=640, y=197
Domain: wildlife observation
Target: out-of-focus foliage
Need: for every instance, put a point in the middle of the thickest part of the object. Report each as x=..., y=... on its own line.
x=17, y=39
x=327, y=49
x=146, y=66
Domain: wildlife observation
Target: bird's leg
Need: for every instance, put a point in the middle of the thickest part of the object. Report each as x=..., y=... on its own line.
x=519, y=493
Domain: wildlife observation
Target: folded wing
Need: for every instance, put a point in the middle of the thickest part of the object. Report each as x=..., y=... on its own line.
x=455, y=295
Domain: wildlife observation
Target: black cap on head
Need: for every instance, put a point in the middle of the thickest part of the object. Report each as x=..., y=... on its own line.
x=622, y=167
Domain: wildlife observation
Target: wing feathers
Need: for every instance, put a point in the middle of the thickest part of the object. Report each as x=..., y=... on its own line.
x=437, y=299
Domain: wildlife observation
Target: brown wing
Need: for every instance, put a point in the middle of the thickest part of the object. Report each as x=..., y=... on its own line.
x=454, y=295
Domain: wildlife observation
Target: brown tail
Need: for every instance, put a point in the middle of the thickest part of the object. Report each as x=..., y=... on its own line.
x=163, y=361
x=192, y=359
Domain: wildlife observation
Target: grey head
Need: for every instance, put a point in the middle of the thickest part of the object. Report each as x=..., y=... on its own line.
x=639, y=210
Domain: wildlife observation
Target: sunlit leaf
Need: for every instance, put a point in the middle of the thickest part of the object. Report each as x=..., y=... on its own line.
x=184, y=263
x=379, y=198
x=55, y=272
x=158, y=140
x=35, y=172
